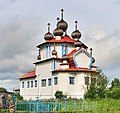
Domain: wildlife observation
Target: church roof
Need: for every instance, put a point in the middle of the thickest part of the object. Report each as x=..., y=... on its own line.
x=30, y=74
x=64, y=39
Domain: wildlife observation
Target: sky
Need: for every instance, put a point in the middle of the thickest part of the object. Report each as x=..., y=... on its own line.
x=23, y=24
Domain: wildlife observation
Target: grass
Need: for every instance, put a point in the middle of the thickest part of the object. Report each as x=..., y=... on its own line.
x=92, y=106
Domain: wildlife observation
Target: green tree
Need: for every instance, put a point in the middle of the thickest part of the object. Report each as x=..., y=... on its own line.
x=59, y=95
x=3, y=89
x=115, y=83
x=98, y=89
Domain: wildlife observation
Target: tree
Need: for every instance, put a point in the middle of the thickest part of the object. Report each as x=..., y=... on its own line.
x=99, y=88
x=3, y=89
x=59, y=95
x=115, y=83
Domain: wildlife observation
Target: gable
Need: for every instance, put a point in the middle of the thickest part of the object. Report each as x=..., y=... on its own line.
x=82, y=59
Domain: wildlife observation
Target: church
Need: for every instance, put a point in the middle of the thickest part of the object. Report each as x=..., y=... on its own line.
x=64, y=63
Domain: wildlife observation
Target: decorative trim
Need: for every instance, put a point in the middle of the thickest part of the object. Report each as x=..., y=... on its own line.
x=79, y=52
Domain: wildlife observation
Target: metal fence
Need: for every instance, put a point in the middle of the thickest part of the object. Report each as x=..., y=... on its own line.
x=68, y=106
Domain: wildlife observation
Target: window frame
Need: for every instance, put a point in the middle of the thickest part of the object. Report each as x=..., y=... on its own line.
x=49, y=81
x=71, y=80
x=55, y=80
x=31, y=83
x=28, y=84
x=35, y=83
x=43, y=83
x=23, y=84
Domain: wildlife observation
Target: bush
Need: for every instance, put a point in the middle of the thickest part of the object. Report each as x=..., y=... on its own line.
x=59, y=95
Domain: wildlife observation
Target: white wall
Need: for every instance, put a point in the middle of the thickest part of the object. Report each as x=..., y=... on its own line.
x=75, y=91
x=58, y=48
x=31, y=92
x=82, y=60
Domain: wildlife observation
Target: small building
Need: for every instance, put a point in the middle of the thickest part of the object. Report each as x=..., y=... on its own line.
x=64, y=63
x=4, y=95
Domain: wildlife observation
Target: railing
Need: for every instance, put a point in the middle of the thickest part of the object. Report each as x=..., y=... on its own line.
x=38, y=106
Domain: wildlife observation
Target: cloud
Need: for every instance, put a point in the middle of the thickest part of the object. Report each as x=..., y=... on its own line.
x=18, y=39
x=105, y=48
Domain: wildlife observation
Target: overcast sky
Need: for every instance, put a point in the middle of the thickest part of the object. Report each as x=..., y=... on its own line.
x=23, y=24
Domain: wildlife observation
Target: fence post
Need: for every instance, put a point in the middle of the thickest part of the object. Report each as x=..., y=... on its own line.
x=36, y=105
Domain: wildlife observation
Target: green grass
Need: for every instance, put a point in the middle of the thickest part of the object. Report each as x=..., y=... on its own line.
x=92, y=106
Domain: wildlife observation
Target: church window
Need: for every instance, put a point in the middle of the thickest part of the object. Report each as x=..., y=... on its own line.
x=31, y=83
x=72, y=80
x=55, y=80
x=43, y=82
x=87, y=80
x=35, y=83
x=66, y=49
x=46, y=51
x=28, y=84
x=54, y=64
x=49, y=82
x=63, y=50
x=22, y=84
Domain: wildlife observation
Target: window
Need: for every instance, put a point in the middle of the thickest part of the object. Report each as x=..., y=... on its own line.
x=63, y=50
x=71, y=80
x=22, y=84
x=31, y=83
x=43, y=82
x=54, y=64
x=28, y=84
x=55, y=80
x=49, y=82
x=87, y=80
x=48, y=51
x=35, y=83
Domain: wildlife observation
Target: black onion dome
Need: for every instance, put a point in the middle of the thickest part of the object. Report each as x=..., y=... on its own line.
x=54, y=52
x=48, y=35
x=78, y=43
x=58, y=32
x=39, y=57
x=93, y=60
x=76, y=34
x=62, y=25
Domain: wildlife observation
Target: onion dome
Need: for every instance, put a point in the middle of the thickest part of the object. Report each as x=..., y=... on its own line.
x=93, y=60
x=62, y=24
x=76, y=34
x=54, y=52
x=58, y=31
x=39, y=56
x=78, y=43
x=48, y=35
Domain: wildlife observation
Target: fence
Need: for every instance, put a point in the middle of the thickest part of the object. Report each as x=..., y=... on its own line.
x=65, y=106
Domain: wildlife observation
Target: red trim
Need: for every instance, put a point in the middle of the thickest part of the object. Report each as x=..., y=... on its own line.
x=75, y=69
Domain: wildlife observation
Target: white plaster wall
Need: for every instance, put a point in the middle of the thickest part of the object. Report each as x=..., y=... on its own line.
x=58, y=48
x=28, y=93
x=44, y=70
x=82, y=60
x=75, y=91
